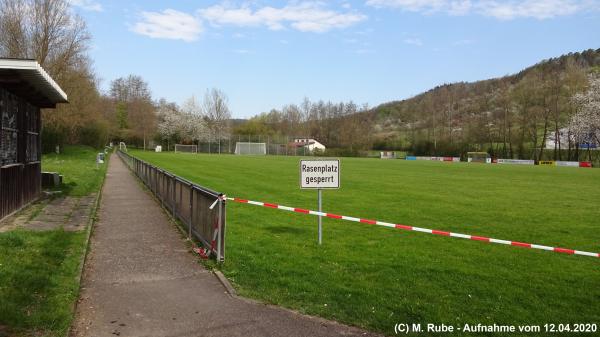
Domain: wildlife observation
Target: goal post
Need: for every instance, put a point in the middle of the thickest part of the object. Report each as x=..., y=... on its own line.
x=479, y=157
x=182, y=148
x=250, y=148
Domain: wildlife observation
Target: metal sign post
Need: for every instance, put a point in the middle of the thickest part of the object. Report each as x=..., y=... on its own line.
x=319, y=175
x=320, y=199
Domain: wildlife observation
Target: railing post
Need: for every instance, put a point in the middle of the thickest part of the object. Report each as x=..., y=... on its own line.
x=180, y=204
x=162, y=179
x=219, y=229
x=191, y=211
x=173, y=198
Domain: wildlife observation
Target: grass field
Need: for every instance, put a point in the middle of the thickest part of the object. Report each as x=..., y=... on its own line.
x=78, y=166
x=375, y=277
x=39, y=271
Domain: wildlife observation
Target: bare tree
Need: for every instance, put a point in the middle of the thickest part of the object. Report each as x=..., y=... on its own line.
x=45, y=30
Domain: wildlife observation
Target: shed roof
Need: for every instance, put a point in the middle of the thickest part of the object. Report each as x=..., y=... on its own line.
x=29, y=80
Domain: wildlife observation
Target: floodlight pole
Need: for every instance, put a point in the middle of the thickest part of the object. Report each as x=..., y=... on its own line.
x=319, y=200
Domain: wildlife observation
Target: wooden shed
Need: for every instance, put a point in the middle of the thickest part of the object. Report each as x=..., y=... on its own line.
x=25, y=88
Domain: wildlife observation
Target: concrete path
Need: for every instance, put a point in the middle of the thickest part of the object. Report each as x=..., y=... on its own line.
x=70, y=213
x=141, y=280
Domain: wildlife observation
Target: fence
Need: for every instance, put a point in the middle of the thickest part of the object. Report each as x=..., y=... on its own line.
x=201, y=210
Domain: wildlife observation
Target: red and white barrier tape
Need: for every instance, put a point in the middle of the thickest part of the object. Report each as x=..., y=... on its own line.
x=417, y=229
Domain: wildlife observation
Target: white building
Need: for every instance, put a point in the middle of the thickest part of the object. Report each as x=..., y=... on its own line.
x=309, y=143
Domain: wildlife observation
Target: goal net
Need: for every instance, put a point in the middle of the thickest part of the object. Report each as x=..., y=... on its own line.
x=387, y=155
x=186, y=148
x=478, y=157
x=251, y=148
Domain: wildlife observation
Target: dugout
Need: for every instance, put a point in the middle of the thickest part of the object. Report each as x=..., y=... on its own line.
x=25, y=88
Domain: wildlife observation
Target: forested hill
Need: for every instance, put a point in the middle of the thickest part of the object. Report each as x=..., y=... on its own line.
x=509, y=116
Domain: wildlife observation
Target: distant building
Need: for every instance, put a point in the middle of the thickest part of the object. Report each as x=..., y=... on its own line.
x=309, y=144
x=25, y=88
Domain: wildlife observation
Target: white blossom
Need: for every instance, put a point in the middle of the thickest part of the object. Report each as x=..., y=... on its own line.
x=585, y=124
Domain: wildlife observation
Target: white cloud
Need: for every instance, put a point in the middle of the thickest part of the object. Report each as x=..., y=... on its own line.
x=463, y=42
x=410, y=5
x=169, y=24
x=414, y=41
x=88, y=5
x=305, y=16
x=364, y=51
x=503, y=10
x=530, y=8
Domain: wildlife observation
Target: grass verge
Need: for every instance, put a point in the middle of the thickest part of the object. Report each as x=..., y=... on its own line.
x=39, y=271
x=38, y=283
x=77, y=164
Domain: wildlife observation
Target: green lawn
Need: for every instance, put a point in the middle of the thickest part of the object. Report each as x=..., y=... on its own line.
x=78, y=166
x=39, y=271
x=374, y=277
x=38, y=280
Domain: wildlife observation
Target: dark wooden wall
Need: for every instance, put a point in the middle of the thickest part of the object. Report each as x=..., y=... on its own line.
x=20, y=152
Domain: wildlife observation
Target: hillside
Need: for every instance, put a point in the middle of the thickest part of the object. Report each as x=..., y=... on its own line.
x=508, y=116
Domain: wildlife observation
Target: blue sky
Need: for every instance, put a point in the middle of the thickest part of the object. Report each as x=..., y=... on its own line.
x=264, y=54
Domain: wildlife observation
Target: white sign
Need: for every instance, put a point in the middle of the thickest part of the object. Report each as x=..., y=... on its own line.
x=568, y=163
x=516, y=161
x=320, y=174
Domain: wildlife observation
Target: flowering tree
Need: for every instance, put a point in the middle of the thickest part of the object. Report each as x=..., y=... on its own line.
x=193, y=121
x=216, y=108
x=585, y=124
x=170, y=123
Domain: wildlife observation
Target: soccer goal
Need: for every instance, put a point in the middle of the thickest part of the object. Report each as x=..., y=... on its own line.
x=478, y=157
x=387, y=155
x=186, y=148
x=251, y=148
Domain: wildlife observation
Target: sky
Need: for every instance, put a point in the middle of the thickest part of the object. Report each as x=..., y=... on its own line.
x=266, y=54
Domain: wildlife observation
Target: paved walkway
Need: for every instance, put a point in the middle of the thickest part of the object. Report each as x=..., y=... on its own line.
x=70, y=213
x=141, y=280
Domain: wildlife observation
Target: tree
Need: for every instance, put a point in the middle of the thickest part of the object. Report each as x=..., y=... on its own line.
x=49, y=32
x=121, y=115
x=169, y=126
x=45, y=30
x=217, y=113
x=193, y=121
x=134, y=105
x=586, y=122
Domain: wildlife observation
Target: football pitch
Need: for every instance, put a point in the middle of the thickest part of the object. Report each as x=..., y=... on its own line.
x=376, y=277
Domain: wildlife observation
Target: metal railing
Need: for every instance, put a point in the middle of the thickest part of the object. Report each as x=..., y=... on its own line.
x=201, y=210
